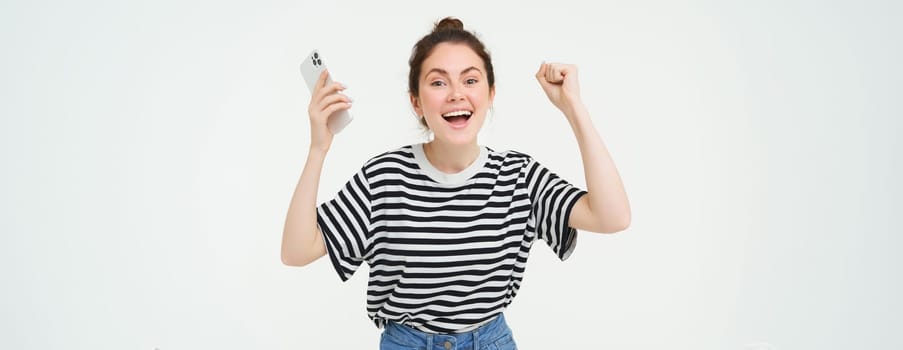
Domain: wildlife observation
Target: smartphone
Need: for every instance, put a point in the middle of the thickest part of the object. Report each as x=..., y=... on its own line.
x=311, y=68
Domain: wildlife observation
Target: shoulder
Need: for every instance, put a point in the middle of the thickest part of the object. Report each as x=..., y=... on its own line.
x=403, y=155
x=510, y=157
x=400, y=152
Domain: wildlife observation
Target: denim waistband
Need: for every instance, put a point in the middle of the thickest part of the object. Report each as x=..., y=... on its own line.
x=494, y=334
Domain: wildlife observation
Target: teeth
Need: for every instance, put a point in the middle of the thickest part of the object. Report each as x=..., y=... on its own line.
x=456, y=113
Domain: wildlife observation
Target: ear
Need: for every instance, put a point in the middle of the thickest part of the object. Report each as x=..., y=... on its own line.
x=415, y=103
x=491, y=95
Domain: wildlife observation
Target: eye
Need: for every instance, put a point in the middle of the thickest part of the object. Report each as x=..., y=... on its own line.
x=437, y=83
x=471, y=81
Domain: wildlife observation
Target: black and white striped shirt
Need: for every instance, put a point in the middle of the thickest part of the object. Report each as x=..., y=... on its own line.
x=446, y=252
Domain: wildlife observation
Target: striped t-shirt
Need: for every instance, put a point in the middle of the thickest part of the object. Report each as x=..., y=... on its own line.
x=446, y=252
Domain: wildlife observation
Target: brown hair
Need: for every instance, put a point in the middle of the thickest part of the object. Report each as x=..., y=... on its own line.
x=449, y=29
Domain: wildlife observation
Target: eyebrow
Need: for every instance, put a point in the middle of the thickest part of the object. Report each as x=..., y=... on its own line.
x=444, y=72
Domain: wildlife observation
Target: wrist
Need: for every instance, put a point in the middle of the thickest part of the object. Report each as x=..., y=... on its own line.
x=318, y=151
x=574, y=110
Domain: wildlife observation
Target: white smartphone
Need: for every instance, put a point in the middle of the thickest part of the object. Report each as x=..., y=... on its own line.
x=311, y=68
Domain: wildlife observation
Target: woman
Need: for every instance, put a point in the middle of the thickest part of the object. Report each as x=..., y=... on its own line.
x=446, y=226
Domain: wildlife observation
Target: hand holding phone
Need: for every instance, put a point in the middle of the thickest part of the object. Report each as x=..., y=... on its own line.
x=311, y=68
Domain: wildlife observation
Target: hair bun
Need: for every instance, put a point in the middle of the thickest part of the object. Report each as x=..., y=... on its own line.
x=448, y=23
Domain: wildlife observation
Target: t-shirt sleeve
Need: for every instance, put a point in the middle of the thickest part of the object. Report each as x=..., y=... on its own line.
x=552, y=199
x=344, y=222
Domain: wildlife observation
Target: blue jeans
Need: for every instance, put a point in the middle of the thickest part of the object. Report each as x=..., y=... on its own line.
x=494, y=335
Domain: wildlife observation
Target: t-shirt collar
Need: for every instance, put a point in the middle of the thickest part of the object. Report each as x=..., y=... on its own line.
x=446, y=178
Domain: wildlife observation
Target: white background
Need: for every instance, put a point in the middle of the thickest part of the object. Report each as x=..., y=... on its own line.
x=150, y=149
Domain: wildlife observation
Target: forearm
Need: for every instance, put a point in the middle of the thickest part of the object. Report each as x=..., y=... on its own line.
x=606, y=196
x=301, y=241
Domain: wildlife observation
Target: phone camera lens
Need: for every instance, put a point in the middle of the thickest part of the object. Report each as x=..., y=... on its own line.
x=316, y=55
x=319, y=62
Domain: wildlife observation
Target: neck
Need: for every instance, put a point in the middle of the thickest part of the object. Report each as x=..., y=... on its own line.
x=451, y=159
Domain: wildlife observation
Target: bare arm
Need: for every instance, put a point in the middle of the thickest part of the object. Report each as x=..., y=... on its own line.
x=302, y=242
x=605, y=208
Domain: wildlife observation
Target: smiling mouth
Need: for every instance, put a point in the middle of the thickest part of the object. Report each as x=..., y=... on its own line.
x=457, y=118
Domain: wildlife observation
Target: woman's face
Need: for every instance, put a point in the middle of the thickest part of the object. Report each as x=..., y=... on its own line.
x=454, y=93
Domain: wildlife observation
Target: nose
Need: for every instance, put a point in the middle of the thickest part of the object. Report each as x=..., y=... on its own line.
x=455, y=94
